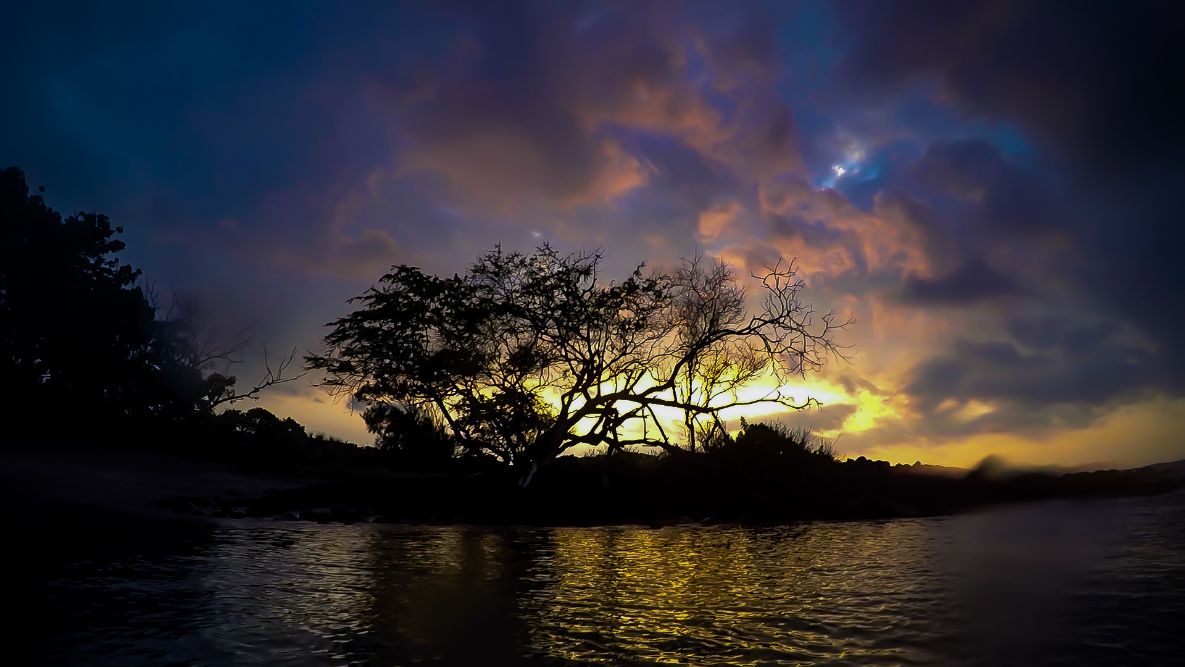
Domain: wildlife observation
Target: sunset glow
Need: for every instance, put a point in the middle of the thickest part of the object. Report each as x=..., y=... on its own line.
x=996, y=233
x=593, y=332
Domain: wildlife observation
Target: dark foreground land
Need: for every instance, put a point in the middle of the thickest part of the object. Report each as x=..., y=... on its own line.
x=595, y=491
x=60, y=480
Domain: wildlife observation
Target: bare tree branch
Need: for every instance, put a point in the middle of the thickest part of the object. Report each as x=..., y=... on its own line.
x=271, y=378
x=529, y=355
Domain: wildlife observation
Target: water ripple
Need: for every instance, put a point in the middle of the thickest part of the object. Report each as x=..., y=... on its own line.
x=1090, y=583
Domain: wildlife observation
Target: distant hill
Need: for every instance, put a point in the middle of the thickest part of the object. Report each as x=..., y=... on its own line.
x=920, y=468
x=1170, y=470
x=996, y=466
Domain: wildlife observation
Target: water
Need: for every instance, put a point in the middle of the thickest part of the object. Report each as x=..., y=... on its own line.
x=1100, y=582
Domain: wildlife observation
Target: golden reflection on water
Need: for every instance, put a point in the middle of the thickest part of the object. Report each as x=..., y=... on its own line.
x=725, y=595
x=642, y=589
x=996, y=588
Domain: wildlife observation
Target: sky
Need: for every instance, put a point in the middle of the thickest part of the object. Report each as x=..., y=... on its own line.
x=991, y=190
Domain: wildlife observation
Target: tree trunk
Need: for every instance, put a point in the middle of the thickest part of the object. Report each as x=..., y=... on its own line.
x=526, y=481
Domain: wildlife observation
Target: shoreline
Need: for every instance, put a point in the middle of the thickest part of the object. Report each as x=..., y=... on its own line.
x=81, y=484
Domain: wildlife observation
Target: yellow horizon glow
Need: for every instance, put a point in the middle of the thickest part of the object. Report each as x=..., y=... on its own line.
x=1137, y=434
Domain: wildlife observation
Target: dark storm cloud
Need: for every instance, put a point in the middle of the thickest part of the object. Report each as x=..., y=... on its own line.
x=1004, y=200
x=1000, y=370
x=676, y=167
x=236, y=129
x=569, y=106
x=1095, y=80
x=279, y=134
x=1011, y=172
x=1006, y=245
x=1046, y=332
x=1061, y=379
x=1086, y=224
x=970, y=283
x=972, y=207
x=816, y=233
x=1096, y=85
x=824, y=418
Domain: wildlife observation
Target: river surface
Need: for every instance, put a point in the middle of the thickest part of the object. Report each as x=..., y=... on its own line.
x=1073, y=583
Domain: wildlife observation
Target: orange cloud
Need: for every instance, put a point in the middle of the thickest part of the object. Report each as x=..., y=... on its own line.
x=714, y=222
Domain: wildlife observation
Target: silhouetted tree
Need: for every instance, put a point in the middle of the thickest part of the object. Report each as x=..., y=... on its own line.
x=194, y=361
x=705, y=296
x=262, y=423
x=416, y=438
x=528, y=355
x=77, y=331
x=73, y=324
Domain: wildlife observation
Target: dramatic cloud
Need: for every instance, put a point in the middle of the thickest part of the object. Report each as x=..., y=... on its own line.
x=546, y=103
x=1094, y=82
x=991, y=189
x=969, y=283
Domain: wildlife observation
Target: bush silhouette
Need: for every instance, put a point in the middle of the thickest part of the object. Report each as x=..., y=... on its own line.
x=412, y=438
x=79, y=333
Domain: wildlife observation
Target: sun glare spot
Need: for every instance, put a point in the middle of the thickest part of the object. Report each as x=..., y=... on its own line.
x=870, y=408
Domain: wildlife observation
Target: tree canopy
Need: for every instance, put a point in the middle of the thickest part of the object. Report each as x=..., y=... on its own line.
x=79, y=330
x=530, y=354
x=71, y=317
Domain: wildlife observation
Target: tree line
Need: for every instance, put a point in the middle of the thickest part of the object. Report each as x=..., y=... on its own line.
x=82, y=335
x=513, y=363
x=528, y=355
